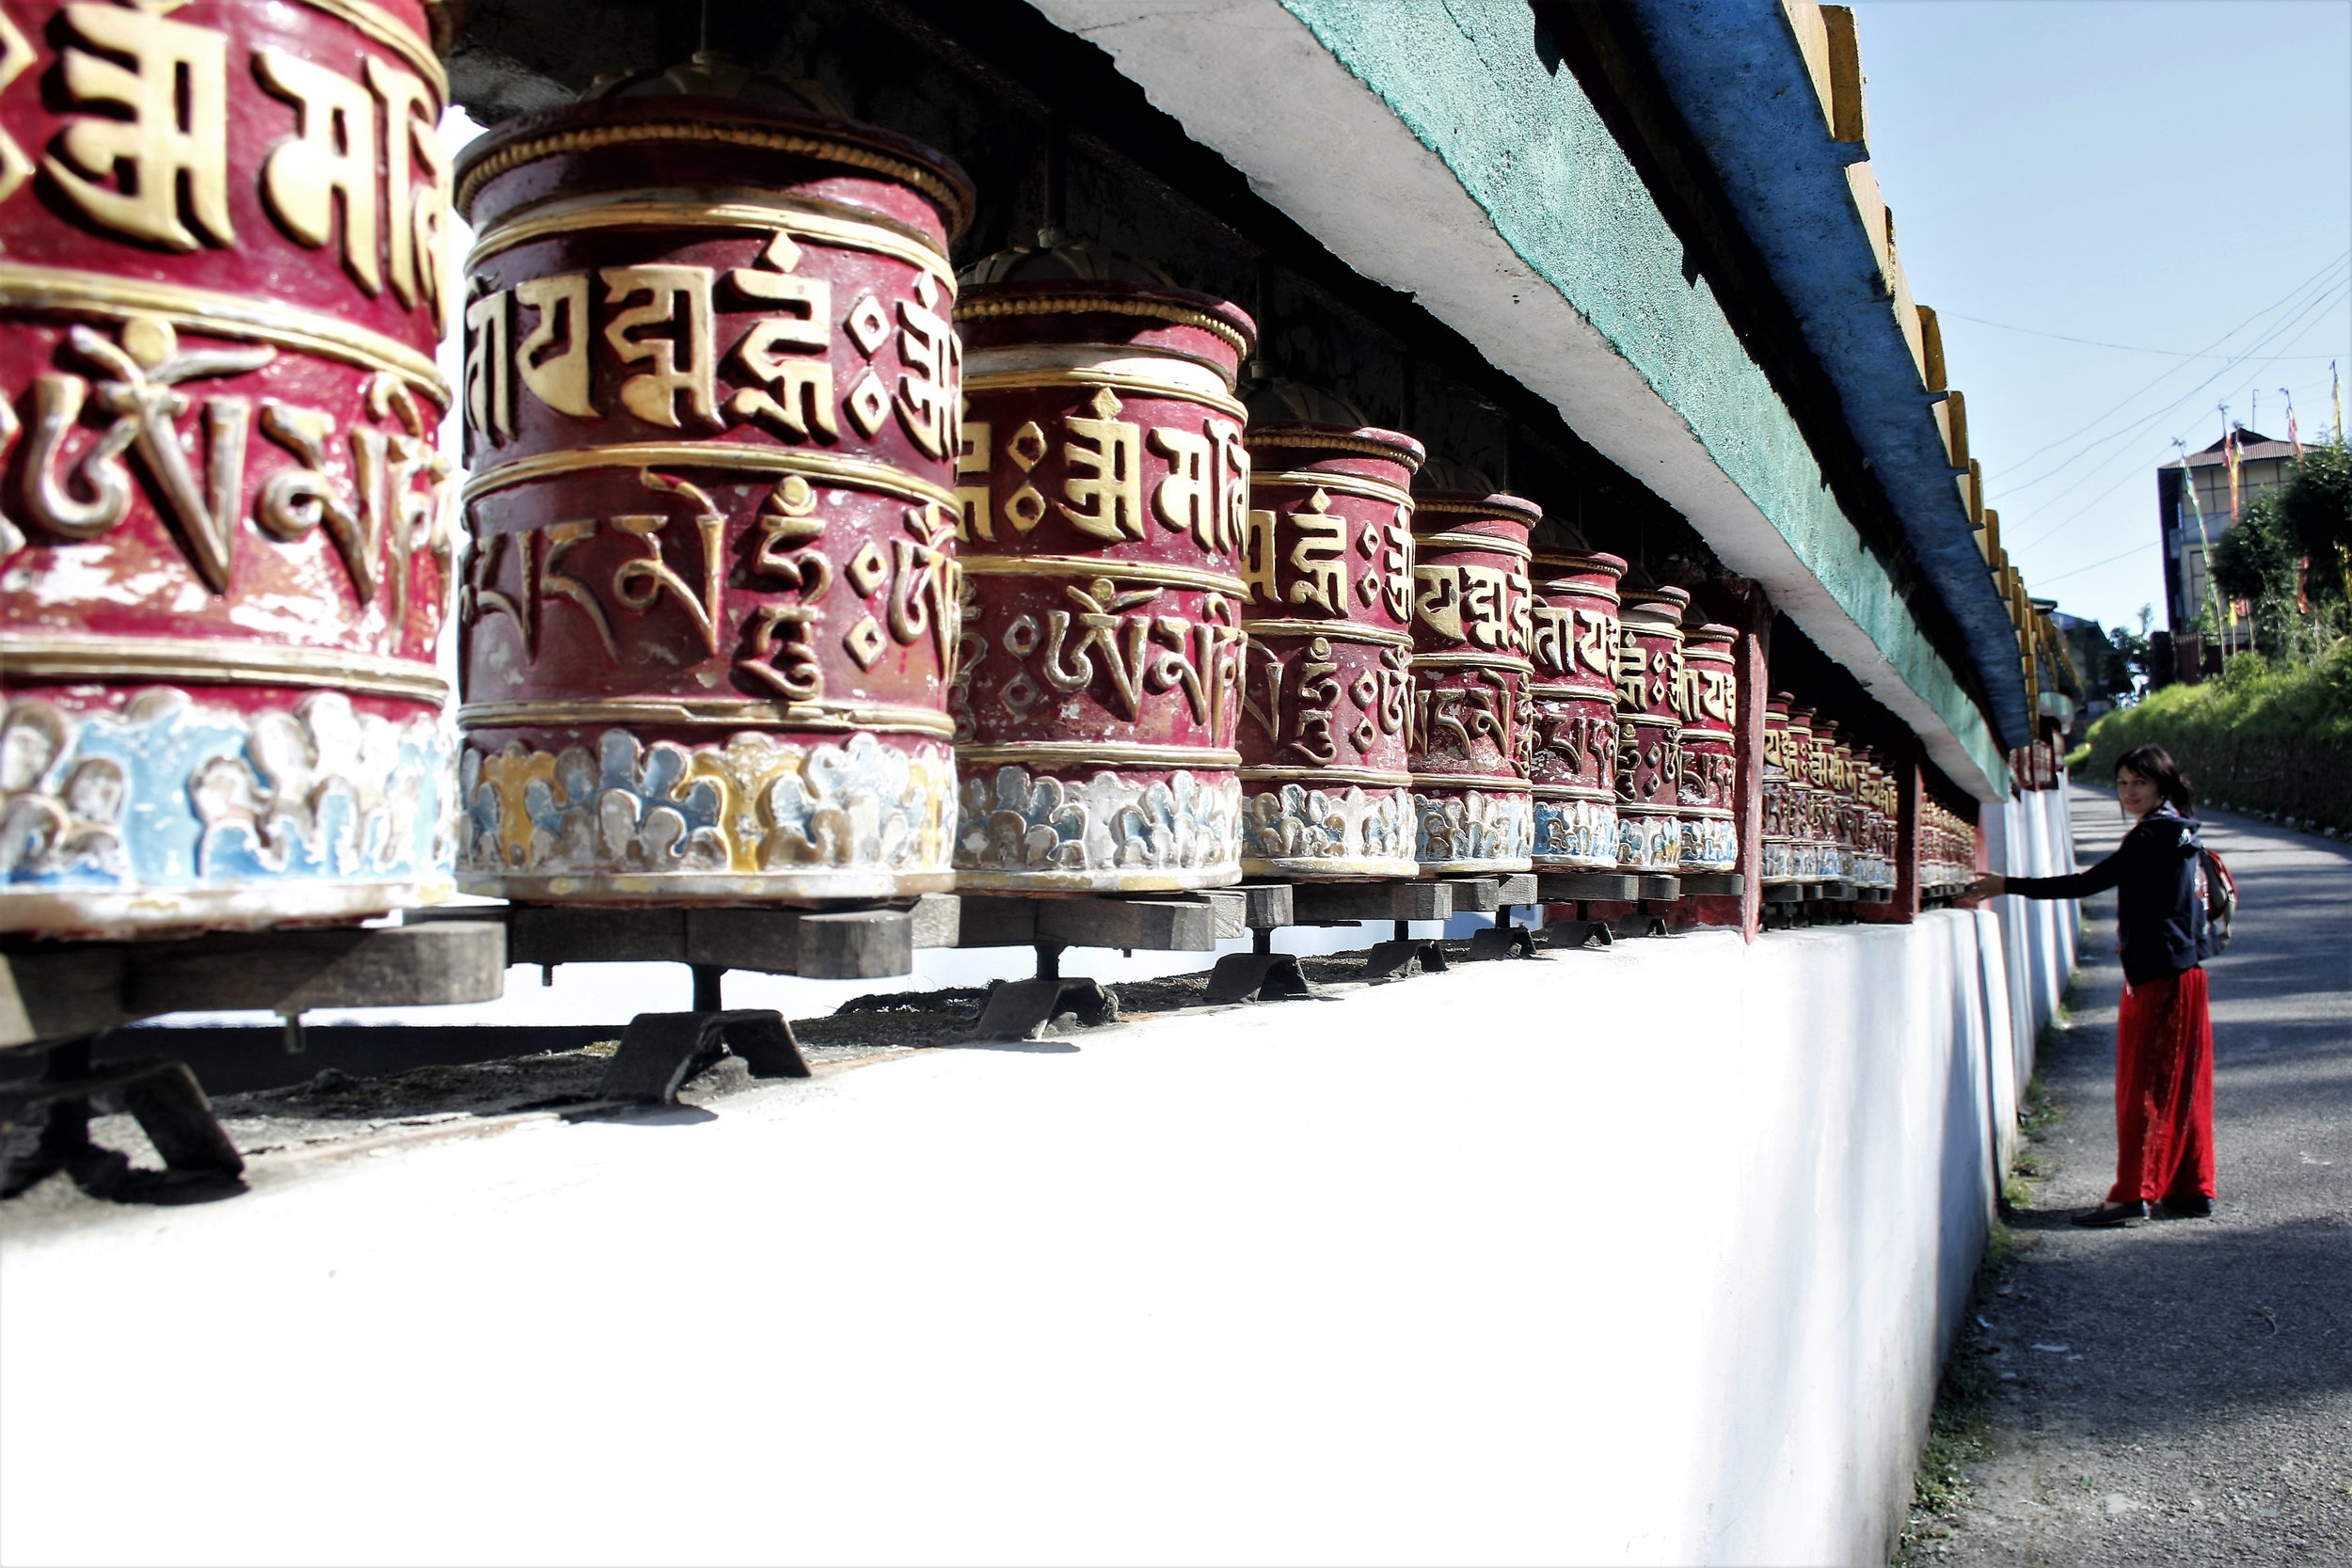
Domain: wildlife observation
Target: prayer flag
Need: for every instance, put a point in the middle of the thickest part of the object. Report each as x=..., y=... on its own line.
x=2229, y=461
x=2204, y=542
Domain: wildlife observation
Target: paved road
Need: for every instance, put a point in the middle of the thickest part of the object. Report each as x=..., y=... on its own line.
x=2182, y=1391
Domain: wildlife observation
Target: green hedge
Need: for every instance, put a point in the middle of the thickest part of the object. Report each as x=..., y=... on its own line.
x=2268, y=739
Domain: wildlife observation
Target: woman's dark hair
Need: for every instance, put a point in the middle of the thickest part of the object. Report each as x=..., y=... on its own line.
x=2155, y=765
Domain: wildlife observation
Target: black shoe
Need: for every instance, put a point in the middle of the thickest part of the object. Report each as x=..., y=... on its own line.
x=2191, y=1208
x=2111, y=1214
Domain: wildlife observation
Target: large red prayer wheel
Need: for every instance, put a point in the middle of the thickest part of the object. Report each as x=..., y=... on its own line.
x=1327, y=695
x=1776, y=860
x=225, y=539
x=1471, y=617
x=1572, y=645
x=711, y=409
x=1649, y=745
x=1106, y=491
x=1710, y=710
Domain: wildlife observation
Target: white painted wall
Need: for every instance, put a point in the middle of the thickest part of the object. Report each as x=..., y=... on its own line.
x=2030, y=835
x=1637, y=1257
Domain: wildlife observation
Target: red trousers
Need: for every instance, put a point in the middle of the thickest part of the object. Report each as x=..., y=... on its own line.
x=2164, y=1091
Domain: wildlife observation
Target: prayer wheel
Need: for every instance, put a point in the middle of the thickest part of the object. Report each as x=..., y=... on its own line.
x=1776, y=860
x=1890, y=806
x=1327, y=691
x=1473, y=801
x=1828, y=801
x=1106, y=494
x=1850, y=807
x=225, y=543
x=1708, y=708
x=1649, y=744
x=1805, y=848
x=711, y=413
x=1871, y=785
x=1573, y=649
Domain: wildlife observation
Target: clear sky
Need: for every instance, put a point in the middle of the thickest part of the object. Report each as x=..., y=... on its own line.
x=2154, y=175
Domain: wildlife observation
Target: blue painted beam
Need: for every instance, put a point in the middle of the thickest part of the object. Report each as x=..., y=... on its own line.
x=1739, y=79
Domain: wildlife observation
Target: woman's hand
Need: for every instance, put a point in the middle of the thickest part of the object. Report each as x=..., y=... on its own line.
x=1992, y=884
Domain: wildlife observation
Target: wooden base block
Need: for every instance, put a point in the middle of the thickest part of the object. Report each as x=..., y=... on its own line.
x=1567, y=887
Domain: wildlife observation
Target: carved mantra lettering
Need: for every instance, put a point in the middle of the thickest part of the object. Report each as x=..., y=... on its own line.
x=1649, y=770
x=1309, y=727
x=148, y=158
x=1309, y=544
x=1485, y=607
x=1563, y=638
x=1649, y=679
x=1575, y=740
x=1141, y=652
x=1450, y=721
x=374, y=490
x=903, y=591
x=1706, y=691
x=1120, y=644
x=658, y=322
x=1707, y=778
x=1205, y=492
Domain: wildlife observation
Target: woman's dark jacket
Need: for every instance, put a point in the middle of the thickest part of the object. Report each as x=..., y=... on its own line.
x=2154, y=872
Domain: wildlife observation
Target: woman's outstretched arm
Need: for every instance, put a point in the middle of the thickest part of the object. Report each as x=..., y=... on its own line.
x=2079, y=884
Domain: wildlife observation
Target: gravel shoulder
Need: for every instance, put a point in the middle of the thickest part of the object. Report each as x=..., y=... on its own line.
x=2181, y=1391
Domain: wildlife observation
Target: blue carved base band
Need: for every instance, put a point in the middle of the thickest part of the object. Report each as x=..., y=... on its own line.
x=1575, y=832
x=755, y=818
x=1144, y=832
x=153, y=811
x=1470, y=830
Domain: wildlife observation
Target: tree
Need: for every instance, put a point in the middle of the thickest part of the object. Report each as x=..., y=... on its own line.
x=2261, y=561
x=2131, y=654
x=2316, y=507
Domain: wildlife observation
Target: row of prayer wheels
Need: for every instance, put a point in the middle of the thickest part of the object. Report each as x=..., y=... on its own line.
x=1948, y=847
x=795, y=568
x=1829, y=808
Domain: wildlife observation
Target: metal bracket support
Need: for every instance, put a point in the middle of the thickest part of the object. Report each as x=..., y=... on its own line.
x=1398, y=956
x=1259, y=977
x=1022, y=1009
x=1501, y=942
x=661, y=1052
x=1592, y=936
x=45, y=1125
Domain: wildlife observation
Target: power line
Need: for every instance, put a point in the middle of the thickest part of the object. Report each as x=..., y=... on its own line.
x=2045, y=582
x=2278, y=303
x=2097, y=342
x=2094, y=500
x=2297, y=312
x=2136, y=425
x=2321, y=304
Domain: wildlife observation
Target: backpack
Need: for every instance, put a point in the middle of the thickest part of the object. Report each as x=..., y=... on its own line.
x=2217, y=900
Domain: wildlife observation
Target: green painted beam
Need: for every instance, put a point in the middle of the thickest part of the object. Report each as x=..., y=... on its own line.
x=1465, y=77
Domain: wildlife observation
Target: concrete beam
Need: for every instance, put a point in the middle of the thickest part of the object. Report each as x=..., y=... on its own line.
x=1758, y=87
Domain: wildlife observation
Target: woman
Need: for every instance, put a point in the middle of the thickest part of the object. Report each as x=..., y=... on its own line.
x=2164, y=1037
